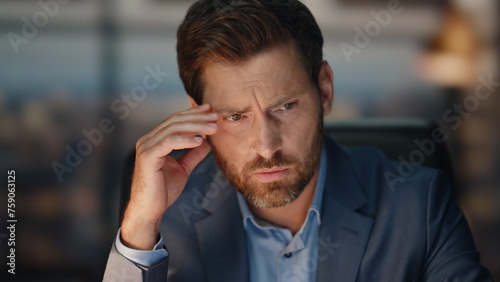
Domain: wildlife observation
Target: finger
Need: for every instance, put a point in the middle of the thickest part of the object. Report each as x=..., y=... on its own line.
x=194, y=156
x=154, y=154
x=194, y=117
x=186, y=128
x=164, y=136
x=185, y=116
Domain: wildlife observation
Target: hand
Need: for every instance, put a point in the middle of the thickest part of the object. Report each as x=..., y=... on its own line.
x=158, y=178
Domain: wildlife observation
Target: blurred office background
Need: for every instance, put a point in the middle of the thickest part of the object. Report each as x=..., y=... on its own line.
x=64, y=66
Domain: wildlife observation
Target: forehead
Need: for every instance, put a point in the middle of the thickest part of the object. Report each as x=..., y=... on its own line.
x=269, y=75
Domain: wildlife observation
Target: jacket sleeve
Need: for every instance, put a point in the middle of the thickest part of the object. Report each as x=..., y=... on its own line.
x=451, y=253
x=120, y=269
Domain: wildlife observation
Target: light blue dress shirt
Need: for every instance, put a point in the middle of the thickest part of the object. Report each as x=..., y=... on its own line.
x=273, y=253
x=142, y=258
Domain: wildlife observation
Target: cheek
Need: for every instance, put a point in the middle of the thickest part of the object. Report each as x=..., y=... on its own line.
x=295, y=137
x=298, y=132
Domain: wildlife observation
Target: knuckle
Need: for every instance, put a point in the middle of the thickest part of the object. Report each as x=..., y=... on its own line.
x=139, y=152
x=166, y=142
x=169, y=127
x=144, y=155
x=139, y=142
x=174, y=117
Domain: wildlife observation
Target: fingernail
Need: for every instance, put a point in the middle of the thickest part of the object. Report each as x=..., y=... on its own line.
x=213, y=115
x=212, y=124
x=198, y=139
x=205, y=106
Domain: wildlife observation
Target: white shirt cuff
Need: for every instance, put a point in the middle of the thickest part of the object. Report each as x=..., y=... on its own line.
x=143, y=258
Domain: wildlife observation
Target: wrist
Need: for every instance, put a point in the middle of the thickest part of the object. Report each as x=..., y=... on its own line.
x=139, y=234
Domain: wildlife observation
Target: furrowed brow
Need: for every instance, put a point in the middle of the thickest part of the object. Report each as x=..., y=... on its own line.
x=235, y=110
x=286, y=99
x=232, y=110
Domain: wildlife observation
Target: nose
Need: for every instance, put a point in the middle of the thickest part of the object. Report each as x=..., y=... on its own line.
x=267, y=135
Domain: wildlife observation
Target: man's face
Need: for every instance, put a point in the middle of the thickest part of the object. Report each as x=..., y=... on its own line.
x=270, y=133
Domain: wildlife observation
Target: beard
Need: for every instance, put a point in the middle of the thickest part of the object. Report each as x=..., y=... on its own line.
x=278, y=193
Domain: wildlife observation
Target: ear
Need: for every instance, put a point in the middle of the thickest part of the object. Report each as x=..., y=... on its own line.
x=325, y=83
x=192, y=103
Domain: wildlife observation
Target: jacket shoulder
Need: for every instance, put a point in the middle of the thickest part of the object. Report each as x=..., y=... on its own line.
x=372, y=166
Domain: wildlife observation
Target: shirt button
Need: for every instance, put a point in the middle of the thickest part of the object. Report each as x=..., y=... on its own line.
x=288, y=255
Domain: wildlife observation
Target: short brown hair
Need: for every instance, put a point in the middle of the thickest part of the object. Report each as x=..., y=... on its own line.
x=234, y=30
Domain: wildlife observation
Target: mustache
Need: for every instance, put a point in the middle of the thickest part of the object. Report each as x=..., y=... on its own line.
x=277, y=160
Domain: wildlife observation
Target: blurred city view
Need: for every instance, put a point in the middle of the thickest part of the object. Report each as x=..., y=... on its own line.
x=73, y=102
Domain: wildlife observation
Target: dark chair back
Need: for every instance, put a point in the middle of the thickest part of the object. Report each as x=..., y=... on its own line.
x=413, y=140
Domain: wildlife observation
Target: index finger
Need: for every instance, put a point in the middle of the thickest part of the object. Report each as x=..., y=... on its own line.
x=192, y=110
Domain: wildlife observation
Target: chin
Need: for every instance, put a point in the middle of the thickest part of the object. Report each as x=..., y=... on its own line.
x=275, y=194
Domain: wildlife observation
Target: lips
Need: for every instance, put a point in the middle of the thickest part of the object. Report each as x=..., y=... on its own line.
x=270, y=175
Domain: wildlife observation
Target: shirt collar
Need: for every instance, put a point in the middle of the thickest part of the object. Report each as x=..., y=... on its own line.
x=315, y=207
x=320, y=186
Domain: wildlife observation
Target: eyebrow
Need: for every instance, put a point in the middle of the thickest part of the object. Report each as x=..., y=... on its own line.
x=230, y=109
x=280, y=101
x=285, y=99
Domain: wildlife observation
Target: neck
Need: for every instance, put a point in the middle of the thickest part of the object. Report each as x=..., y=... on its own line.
x=293, y=215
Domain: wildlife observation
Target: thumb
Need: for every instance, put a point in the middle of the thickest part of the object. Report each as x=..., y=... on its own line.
x=194, y=156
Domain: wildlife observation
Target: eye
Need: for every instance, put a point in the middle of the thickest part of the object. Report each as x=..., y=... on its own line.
x=234, y=117
x=287, y=106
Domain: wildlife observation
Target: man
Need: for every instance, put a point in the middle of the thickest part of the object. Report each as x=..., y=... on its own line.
x=275, y=200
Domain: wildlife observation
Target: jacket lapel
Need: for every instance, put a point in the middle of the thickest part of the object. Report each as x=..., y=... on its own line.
x=222, y=239
x=344, y=232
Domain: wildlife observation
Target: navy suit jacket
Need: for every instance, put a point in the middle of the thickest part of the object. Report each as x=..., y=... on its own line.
x=372, y=228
